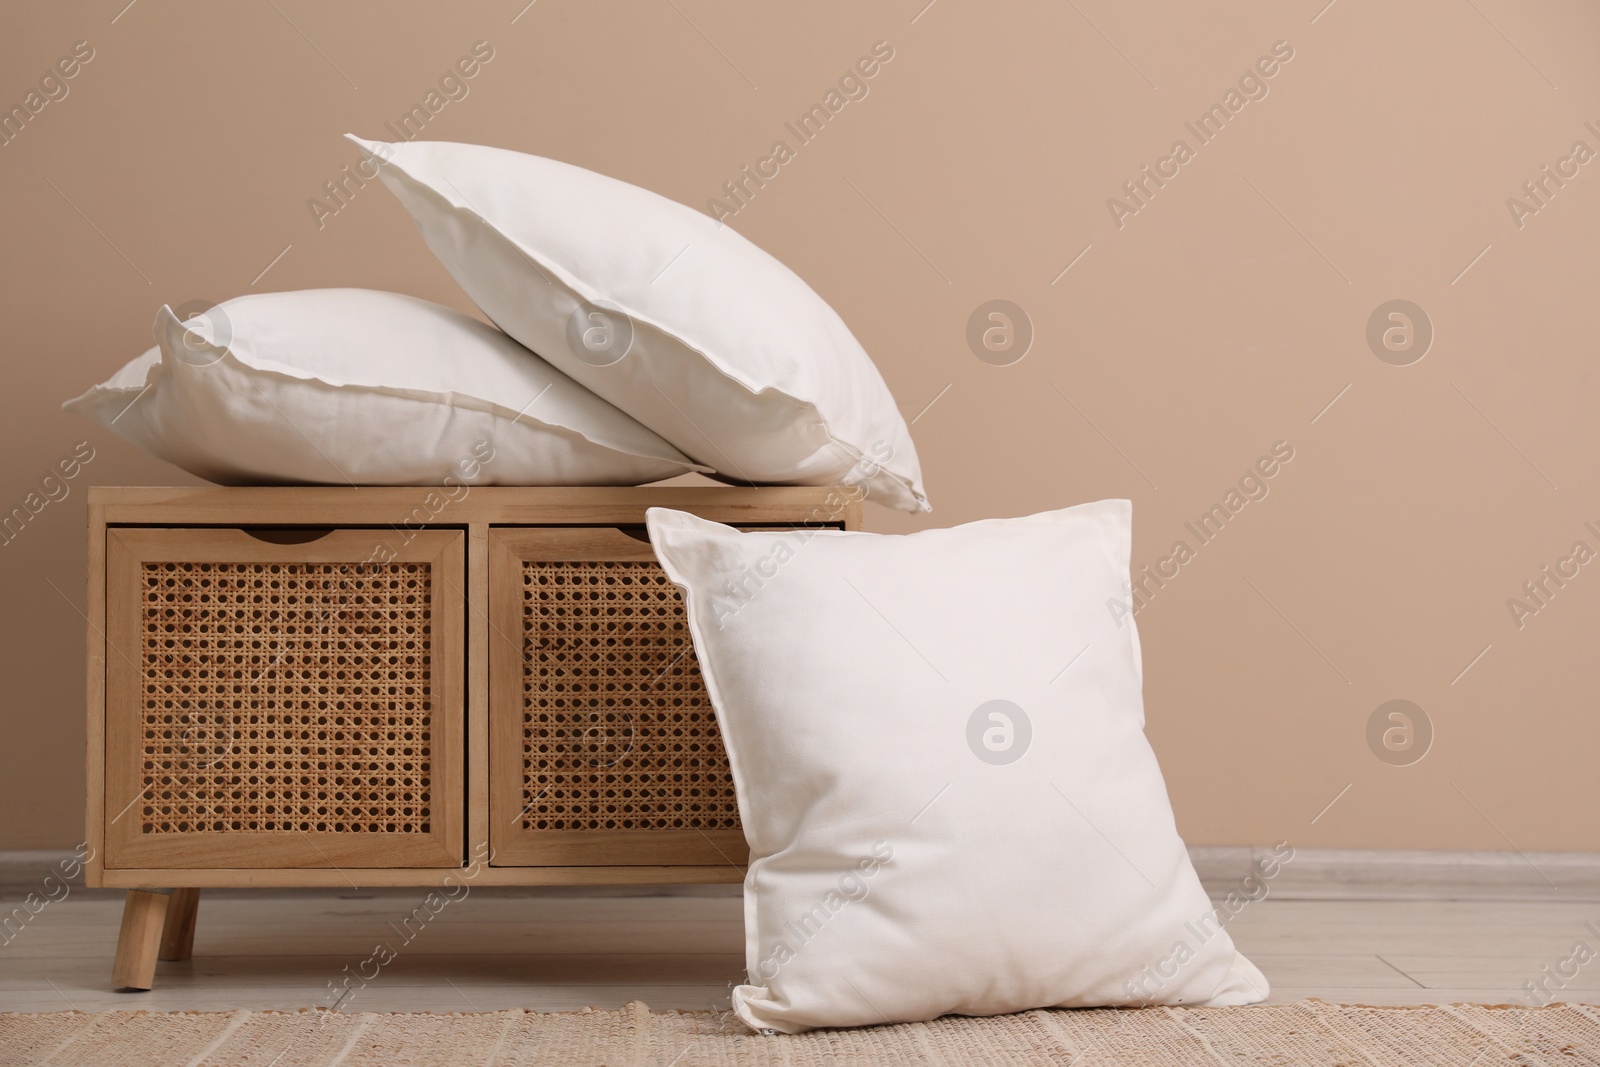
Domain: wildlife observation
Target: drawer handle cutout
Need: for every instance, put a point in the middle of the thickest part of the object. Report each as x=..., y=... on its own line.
x=288, y=535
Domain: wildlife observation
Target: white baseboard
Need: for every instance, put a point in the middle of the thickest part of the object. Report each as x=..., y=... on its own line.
x=1312, y=874
x=1406, y=874
x=30, y=867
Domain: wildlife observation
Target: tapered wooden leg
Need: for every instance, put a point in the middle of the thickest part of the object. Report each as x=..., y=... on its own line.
x=177, y=935
x=143, y=915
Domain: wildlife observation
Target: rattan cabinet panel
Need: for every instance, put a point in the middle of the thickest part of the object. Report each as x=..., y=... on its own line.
x=604, y=746
x=283, y=705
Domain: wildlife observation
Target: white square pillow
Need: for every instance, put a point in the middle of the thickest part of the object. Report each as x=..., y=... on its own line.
x=670, y=315
x=938, y=745
x=353, y=386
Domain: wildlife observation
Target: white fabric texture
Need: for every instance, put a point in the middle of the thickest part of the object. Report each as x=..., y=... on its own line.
x=937, y=740
x=359, y=387
x=676, y=319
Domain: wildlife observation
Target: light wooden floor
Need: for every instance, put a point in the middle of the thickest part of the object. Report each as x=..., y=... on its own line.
x=563, y=950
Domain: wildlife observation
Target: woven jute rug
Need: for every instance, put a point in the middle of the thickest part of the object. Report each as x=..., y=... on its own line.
x=1310, y=1032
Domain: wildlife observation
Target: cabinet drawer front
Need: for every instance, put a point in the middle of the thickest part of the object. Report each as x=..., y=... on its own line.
x=604, y=747
x=276, y=704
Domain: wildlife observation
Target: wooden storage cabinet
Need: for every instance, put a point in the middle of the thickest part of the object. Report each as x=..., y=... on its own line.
x=391, y=686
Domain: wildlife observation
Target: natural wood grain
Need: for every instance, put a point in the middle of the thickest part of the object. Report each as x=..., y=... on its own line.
x=395, y=507
x=505, y=698
x=476, y=596
x=95, y=684
x=177, y=934
x=143, y=916
x=353, y=877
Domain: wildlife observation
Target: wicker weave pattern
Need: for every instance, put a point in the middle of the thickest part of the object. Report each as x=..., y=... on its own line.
x=288, y=697
x=1308, y=1033
x=618, y=732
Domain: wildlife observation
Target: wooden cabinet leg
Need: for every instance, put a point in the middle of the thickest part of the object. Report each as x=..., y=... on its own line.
x=143, y=915
x=177, y=935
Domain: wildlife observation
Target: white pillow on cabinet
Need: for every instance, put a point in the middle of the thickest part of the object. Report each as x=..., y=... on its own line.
x=937, y=743
x=668, y=314
x=359, y=387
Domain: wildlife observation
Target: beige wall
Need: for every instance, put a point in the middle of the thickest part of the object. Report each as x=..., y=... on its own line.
x=1220, y=318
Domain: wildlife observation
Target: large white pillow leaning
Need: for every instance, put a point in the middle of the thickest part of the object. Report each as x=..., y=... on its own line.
x=358, y=387
x=665, y=312
x=937, y=740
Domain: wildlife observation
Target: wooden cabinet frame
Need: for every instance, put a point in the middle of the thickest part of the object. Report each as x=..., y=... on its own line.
x=457, y=530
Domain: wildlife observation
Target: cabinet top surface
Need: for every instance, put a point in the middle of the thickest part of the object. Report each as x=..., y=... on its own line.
x=460, y=504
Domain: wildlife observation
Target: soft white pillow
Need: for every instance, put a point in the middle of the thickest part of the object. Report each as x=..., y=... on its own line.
x=718, y=347
x=353, y=386
x=938, y=745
